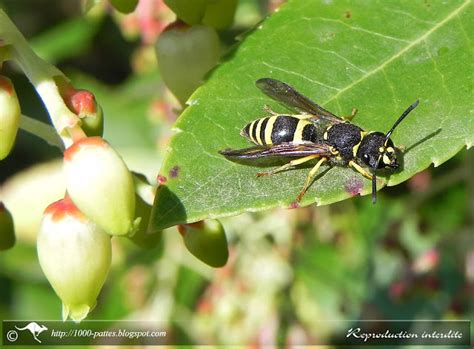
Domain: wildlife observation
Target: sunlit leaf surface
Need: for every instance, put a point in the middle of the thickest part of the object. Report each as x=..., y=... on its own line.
x=376, y=56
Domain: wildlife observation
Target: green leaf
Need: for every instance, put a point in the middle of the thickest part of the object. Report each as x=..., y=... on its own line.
x=376, y=56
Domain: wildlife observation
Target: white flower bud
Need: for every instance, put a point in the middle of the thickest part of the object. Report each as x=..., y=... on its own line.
x=75, y=255
x=100, y=184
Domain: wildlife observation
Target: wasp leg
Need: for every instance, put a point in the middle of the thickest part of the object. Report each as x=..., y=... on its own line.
x=289, y=165
x=269, y=110
x=310, y=178
x=353, y=114
x=361, y=170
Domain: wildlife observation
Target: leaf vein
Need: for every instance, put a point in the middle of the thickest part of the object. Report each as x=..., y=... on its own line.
x=443, y=80
x=300, y=76
x=335, y=54
x=407, y=14
x=363, y=29
x=391, y=87
x=464, y=31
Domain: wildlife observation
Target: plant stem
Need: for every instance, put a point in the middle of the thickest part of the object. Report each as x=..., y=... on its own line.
x=41, y=74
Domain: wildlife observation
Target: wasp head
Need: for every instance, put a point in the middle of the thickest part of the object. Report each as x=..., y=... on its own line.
x=377, y=151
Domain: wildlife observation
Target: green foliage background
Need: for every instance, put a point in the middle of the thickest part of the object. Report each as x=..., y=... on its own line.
x=408, y=257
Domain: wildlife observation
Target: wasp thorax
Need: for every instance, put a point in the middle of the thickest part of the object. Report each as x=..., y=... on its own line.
x=377, y=152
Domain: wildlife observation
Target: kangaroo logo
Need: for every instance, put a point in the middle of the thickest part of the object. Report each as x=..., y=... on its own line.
x=34, y=328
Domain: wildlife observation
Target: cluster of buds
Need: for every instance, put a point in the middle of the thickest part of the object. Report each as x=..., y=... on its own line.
x=102, y=198
x=101, y=202
x=74, y=245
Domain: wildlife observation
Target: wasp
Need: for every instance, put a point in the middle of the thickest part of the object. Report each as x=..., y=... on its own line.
x=315, y=133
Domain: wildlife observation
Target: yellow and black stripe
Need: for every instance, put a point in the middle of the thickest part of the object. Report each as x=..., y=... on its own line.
x=279, y=129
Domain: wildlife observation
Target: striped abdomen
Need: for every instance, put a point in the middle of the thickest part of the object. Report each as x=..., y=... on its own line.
x=279, y=129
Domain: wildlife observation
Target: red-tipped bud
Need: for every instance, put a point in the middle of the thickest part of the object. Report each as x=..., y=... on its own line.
x=84, y=105
x=101, y=185
x=75, y=255
x=9, y=116
x=206, y=240
x=185, y=54
x=7, y=231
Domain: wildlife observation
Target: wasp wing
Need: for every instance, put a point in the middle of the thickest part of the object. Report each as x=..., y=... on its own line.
x=286, y=94
x=282, y=150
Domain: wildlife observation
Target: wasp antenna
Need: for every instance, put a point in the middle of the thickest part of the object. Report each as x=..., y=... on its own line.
x=400, y=119
x=374, y=189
